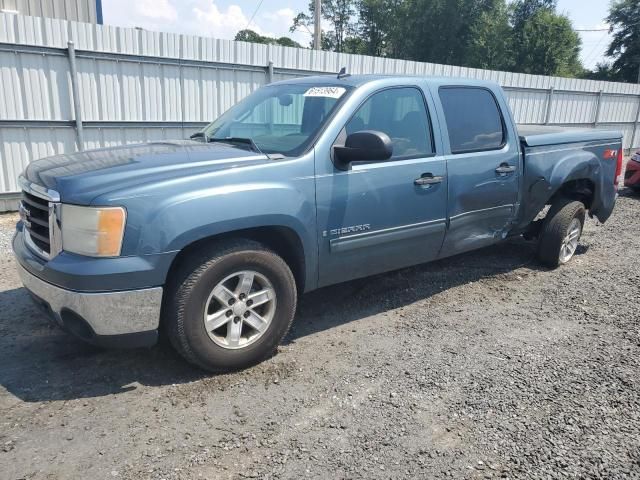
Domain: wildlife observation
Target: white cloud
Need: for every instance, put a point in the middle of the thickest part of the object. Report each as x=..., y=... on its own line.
x=219, y=19
x=211, y=21
x=156, y=9
x=284, y=14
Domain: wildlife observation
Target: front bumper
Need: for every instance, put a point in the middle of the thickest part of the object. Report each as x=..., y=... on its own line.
x=114, y=319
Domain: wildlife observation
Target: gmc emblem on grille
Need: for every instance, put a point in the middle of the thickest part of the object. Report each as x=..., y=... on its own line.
x=24, y=215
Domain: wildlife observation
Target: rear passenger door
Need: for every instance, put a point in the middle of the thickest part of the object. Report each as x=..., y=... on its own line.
x=483, y=165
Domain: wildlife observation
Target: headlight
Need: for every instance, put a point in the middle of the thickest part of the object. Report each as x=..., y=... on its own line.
x=96, y=232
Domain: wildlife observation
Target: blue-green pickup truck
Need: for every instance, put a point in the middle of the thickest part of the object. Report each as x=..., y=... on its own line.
x=302, y=184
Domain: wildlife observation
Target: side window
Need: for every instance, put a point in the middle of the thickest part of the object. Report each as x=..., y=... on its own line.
x=401, y=114
x=473, y=119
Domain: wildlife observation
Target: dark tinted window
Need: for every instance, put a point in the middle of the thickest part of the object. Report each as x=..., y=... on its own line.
x=473, y=119
x=401, y=114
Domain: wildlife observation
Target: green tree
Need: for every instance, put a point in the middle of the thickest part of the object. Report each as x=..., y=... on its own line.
x=544, y=41
x=523, y=10
x=624, y=21
x=435, y=31
x=445, y=31
x=603, y=71
x=287, y=42
x=525, y=35
x=491, y=39
x=377, y=22
x=248, y=35
x=339, y=13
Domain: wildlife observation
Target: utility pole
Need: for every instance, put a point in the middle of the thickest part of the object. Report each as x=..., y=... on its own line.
x=317, y=29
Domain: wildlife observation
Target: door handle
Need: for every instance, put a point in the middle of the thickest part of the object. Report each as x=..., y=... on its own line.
x=427, y=179
x=505, y=169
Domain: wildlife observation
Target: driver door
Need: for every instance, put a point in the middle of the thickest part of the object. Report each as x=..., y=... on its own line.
x=380, y=216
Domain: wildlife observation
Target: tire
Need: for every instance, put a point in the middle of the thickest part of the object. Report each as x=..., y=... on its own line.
x=206, y=277
x=563, y=216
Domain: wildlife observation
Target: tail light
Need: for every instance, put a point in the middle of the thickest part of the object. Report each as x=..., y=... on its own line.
x=616, y=179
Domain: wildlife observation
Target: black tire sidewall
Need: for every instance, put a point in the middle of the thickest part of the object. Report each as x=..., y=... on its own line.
x=193, y=302
x=580, y=215
x=556, y=228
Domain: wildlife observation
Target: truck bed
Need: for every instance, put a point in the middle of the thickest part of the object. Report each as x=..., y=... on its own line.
x=556, y=156
x=540, y=135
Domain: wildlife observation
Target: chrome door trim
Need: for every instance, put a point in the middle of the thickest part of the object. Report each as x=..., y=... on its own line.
x=386, y=235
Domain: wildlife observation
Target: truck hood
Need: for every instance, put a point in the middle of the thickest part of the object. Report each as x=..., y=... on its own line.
x=81, y=177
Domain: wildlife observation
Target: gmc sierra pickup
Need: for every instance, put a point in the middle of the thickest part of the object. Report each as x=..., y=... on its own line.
x=302, y=184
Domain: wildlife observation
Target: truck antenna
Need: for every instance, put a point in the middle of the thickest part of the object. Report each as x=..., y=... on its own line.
x=343, y=73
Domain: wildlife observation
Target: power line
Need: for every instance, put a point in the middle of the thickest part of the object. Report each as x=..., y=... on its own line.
x=254, y=14
x=594, y=50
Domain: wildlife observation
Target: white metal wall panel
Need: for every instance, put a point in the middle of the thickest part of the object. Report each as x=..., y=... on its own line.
x=9, y=5
x=114, y=136
x=171, y=86
x=573, y=108
x=618, y=109
x=528, y=107
x=78, y=10
x=19, y=146
x=34, y=87
x=136, y=76
x=153, y=93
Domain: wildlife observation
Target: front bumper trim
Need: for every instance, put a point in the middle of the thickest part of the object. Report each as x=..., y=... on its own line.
x=106, y=313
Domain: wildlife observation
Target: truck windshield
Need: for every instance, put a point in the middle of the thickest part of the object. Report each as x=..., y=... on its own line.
x=280, y=119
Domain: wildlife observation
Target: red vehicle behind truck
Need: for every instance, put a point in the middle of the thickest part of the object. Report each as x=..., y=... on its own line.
x=632, y=173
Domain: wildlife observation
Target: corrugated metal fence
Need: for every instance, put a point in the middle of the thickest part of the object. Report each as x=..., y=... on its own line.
x=77, y=10
x=134, y=86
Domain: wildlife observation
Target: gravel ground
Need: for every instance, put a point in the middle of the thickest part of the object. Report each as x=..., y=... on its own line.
x=480, y=366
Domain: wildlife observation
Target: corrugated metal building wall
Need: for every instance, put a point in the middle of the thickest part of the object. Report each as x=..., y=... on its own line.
x=76, y=10
x=136, y=86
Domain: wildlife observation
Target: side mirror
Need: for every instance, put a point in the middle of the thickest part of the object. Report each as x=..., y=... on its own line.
x=364, y=146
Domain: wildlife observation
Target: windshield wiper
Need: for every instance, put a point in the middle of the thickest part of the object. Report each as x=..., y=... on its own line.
x=201, y=135
x=238, y=140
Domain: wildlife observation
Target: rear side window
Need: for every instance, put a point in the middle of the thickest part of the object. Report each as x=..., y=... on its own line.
x=401, y=114
x=473, y=119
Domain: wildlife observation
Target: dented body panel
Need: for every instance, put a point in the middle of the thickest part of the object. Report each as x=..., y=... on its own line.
x=550, y=166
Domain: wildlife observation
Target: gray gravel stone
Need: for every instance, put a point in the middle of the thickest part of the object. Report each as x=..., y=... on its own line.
x=480, y=366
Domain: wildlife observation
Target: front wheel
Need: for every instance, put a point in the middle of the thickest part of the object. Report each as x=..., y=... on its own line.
x=561, y=232
x=230, y=305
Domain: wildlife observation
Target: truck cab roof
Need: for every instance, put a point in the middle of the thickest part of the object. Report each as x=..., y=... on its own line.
x=362, y=79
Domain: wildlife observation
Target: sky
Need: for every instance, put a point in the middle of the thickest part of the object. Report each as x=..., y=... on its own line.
x=223, y=18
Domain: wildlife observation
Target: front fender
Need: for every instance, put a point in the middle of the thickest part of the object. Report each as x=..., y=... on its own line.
x=191, y=216
x=196, y=215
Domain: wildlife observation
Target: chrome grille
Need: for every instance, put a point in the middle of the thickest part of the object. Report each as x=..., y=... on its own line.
x=40, y=214
x=34, y=212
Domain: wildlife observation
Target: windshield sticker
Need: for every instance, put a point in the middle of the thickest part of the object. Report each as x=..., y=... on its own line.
x=331, y=92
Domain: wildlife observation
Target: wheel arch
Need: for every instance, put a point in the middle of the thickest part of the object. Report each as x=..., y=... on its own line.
x=580, y=189
x=283, y=240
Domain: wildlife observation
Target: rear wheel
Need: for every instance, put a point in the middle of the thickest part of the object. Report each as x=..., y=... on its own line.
x=230, y=305
x=561, y=232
